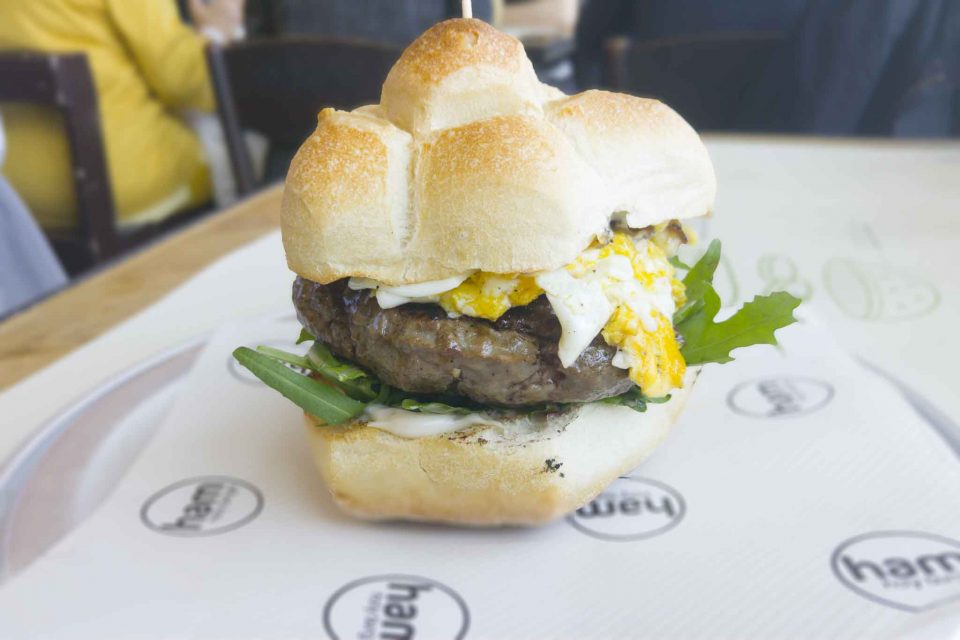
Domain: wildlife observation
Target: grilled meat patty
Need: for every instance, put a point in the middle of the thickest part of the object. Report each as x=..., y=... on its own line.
x=511, y=362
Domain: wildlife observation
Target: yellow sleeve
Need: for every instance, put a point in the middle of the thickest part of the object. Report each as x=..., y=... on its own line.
x=169, y=53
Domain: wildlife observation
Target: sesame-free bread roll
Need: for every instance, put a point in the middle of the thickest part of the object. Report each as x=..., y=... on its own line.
x=486, y=477
x=469, y=162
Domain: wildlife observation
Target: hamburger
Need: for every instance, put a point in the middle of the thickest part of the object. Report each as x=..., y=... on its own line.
x=487, y=276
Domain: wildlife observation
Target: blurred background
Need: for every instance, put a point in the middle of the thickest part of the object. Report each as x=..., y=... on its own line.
x=122, y=121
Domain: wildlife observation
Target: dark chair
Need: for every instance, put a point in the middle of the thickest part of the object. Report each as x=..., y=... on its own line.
x=703, y=78
x=396, y=22
x=64, y=82
x=277, y=86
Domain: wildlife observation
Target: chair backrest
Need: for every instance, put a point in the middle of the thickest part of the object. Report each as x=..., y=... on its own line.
x=703, y=78
x=64, y=82
x=278, y=86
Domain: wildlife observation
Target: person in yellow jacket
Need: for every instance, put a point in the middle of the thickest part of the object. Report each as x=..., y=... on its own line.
x=147, y=67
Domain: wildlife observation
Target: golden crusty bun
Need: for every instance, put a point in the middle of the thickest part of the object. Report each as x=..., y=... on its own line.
x=469, y=162
x=484, y=477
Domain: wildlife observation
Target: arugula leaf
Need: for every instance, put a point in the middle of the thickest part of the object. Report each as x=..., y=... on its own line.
x=634, y=399
x=305, y=336
x=351, y=379
x=325, y=362
x=314, y=397
x=549, y=407
x=383, y=395
x=705, y=340
x=411, y=404
x=678, y=263
x=698, y=278
x=356, y=382
x=754, y=323
x=283, y=356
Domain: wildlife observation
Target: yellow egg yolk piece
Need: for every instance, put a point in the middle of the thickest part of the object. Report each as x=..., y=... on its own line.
x=649, y=345
x=656, y=365
x=490, y=295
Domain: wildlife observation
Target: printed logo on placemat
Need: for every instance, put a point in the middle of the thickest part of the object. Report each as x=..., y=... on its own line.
x=907, y=570
x=879, y=291
x=630, y=509
x=779, y=396
x=204, y=506
x=396, y=606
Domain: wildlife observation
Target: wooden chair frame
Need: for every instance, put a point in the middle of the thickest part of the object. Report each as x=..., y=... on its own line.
x=65, y=82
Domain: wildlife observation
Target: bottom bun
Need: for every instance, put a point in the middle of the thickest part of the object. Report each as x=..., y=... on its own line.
x=524, y=473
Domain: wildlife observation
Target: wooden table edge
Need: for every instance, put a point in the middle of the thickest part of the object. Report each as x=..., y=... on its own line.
x=43, y=333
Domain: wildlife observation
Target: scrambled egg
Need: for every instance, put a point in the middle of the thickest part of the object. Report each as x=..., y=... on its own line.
x=624, y=289
x=653, y=357
x=489, y=295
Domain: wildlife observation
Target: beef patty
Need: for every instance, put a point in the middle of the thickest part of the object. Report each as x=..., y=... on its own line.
x=511, y=362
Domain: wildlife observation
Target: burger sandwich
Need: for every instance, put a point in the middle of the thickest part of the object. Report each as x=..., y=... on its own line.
x=487, y=275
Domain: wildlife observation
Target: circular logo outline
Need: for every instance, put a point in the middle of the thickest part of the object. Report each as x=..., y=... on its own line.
x=681, y=514
x=905, y=533
x=144, y=518
x=336, y=595
x=831, y=392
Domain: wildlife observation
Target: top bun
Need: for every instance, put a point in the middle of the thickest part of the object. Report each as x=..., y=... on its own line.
x=469, y=162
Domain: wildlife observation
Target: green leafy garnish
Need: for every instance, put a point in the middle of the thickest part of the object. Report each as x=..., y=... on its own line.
x=410, y=404
x=634, y=399
x=704, y=339
x=313, y=396
x=305, y=336
x=678, y=263
x=353, y=380
x=550, y=407
x=699, y=277
x=754, y=323
x=283, y=356
x=324, y=361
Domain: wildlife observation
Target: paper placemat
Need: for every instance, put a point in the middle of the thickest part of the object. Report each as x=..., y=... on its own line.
x=866, y=233
x=246, y=283
x=798, y=497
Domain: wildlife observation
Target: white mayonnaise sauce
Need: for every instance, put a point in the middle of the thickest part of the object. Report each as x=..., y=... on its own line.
x=389, y=297
x=413, y=424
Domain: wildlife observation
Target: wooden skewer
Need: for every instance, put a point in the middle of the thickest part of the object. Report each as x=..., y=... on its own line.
x=467, y=7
